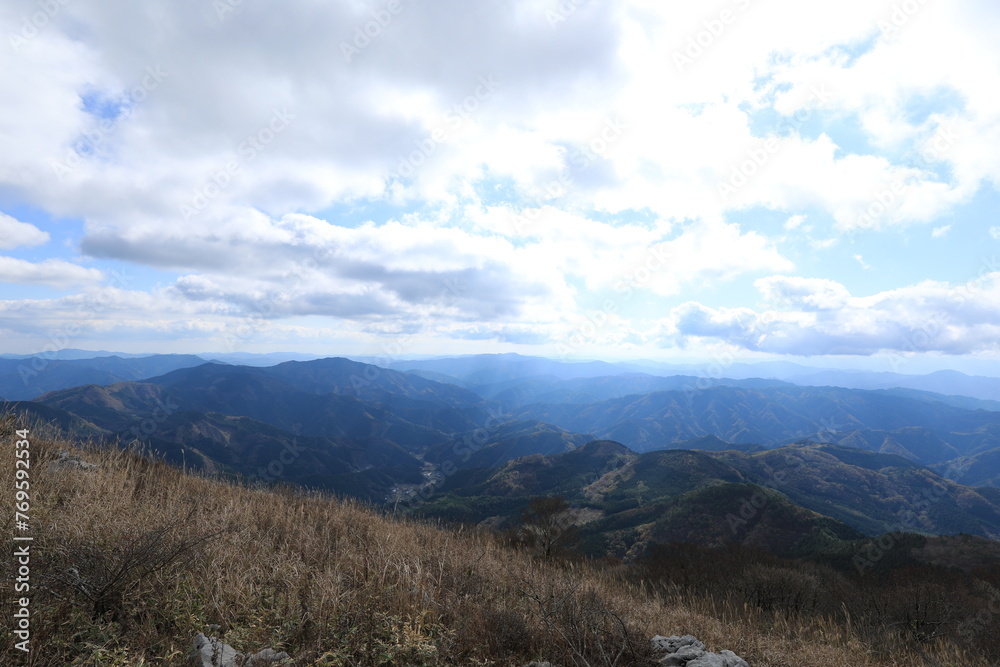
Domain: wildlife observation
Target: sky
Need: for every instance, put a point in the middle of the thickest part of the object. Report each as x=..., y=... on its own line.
x=734, y=180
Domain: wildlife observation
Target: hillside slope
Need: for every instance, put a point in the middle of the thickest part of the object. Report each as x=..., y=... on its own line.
x=807, y=494
x=337, y=584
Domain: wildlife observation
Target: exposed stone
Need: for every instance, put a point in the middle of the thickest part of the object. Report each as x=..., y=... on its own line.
x=535, y=663
x=675, y=643
x=732, y=656
x=213, y=652
x=686, y=651
x=266, y=658
x=65, y=461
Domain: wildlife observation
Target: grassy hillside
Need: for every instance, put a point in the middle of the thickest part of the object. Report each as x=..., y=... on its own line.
x=132, y=558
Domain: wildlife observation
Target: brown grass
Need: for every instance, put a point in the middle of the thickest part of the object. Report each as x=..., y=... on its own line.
x=336, y=583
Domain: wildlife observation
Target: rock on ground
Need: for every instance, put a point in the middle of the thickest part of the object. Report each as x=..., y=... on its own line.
x=216, y=653
x=686, y=651
x=65, y=461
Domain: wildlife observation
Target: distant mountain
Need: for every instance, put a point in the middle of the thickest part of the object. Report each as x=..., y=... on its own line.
x=358, y=459
x=512, y=394
x=791, y=500
x=353, y=418
x=873, y=492
x=626, y=502
x=364, y=468
x=982, y=469
x=257, y=359
x=27, y=378
x=945, y=451
x=711, y=443
x=769, y=415
x=331, y=397
x=368, y=382
x=245, y=392
x=482, y=369
x=497, y=495
x=73, y=353
x=964, y=402
x=503, y=443
x=941, y=382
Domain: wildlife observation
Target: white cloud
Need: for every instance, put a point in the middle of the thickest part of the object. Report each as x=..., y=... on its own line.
x=619, y=156
x=683, y=133
x=15, y=234
x=820, y=317
x=803, y=293
x=823, y=244
x=52, y=272
x=794, y=221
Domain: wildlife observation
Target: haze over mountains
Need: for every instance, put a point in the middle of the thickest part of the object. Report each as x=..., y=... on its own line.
x=470, y=438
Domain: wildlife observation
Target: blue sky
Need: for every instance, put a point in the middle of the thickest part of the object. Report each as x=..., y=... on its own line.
x=616, y=180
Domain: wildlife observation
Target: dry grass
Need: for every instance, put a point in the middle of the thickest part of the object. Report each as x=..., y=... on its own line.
x=336, y=583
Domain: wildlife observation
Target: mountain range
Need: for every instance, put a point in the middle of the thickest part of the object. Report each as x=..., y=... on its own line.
x=643, y=457
x=27, y=377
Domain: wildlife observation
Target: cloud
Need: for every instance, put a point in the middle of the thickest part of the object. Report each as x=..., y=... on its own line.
x=14, y=233
x=556, y=93
x=815, y=317
x=930, y=117
x=52, y=272
x=267, y=174
x=417, y=271
x=803, y=293
x=659, y=257
x=730, y=324
x=794, y=222
x=483, y=269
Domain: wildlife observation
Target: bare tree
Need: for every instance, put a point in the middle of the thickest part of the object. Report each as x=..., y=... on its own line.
x=547, y=523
